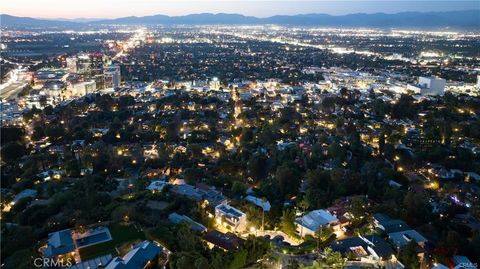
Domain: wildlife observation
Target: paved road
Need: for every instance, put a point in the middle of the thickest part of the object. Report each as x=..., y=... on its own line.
x=11, y=91
x=17, y=80
x=286, y=259
x=273, y=234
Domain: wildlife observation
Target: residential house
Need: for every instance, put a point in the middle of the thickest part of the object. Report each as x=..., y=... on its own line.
x=209, y=194
x=66, y=241
x=462, y=262
x=372, y=247
x=402, y=238
x=225, y=241
x=157, y=186
x=92, y=236
x=138, y=257
x=200, y=192
x=387, y=224
x=27, y=193
x=398, y=231
x=187, y=191
x=59, y=243
x=98, y=262
x=177, y=218
x=263, y=204
x=377, y=247
x=353, y=245
x=230, y=217
x=310, y=223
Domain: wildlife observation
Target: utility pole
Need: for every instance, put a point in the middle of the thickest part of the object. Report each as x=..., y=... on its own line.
x=318, y=237
x=263, y=219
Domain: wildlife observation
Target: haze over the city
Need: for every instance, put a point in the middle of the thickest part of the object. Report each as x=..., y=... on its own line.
x=121, y=8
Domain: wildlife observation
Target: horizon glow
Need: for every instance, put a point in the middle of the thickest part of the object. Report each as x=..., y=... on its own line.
x=54, y=9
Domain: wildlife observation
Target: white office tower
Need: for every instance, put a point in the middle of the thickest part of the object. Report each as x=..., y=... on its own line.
x=429, y=86
x=84, y=88
x=214, y=84
x=72, y=64
x=84, y=64
x=112, y=76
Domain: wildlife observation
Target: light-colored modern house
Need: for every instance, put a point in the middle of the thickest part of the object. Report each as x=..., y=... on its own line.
x=230, y=217
x=310, y=223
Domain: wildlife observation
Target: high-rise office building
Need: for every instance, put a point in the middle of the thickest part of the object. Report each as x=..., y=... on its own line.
x=90, y=64
x=112, y=76
x=83, y=88
x=71, y=63
x=429, y=86
x=83, y=63
x=96, y=63
x=214, y=84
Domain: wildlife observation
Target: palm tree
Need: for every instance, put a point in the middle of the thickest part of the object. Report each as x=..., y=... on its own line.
x=322, y=234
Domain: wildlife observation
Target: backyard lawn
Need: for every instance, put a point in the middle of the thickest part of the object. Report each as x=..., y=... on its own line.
x=121, y=234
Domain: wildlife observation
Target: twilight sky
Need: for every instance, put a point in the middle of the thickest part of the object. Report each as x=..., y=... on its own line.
x=121, y=8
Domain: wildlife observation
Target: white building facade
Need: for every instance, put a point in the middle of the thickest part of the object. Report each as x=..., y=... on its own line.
x=230, y=217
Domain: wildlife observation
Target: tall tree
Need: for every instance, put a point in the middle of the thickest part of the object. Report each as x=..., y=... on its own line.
x=287, y=223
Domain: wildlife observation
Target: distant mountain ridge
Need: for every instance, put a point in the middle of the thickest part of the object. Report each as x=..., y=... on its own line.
x=467, y=19
x=14, y=21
